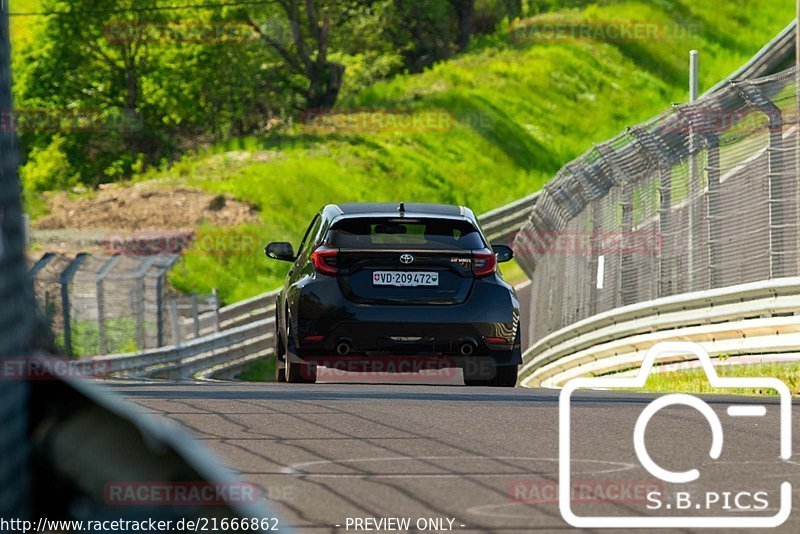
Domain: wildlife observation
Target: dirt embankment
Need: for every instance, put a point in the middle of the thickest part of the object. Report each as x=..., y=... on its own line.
x=144, y=207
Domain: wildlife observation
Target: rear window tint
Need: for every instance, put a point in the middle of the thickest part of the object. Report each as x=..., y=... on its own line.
x=404, y=233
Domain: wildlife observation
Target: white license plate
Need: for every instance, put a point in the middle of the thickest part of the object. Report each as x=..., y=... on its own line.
x=405, y=279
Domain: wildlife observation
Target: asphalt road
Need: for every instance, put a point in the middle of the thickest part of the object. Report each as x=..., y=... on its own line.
x=485, y=458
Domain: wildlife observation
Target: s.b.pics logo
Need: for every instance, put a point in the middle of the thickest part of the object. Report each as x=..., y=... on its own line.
x=721, y=462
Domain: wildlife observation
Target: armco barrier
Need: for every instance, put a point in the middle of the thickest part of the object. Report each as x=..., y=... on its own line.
x=755, y=318
x=184, y=361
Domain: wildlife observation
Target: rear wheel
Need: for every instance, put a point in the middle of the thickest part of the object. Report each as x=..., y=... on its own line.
x=499, y=377
x=506, y=376
x=298, y=373
x=280, y=355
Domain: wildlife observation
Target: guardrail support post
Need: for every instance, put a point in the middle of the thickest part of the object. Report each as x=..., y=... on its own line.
x=195, y=316
x=216, y=309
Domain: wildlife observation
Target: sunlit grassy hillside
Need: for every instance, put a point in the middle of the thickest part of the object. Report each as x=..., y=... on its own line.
x=482, y=129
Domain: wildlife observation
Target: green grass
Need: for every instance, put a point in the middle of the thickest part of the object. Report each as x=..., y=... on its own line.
x=519, y=111
x=120, y=336
x=695, y=381
x=262, y=370
x=22, y=28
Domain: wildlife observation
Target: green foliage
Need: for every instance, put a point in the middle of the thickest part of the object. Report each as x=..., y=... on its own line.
x=47, y=169
x=505, y=115
x=519, y=110
x=695, y=380
x=120, y=336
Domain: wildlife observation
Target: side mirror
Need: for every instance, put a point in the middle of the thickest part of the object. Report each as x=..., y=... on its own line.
x=280, y=251
x=503, y=252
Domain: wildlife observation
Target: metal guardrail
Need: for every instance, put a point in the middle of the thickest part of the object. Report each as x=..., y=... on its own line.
x=183, y=361
x=502, y=223
x=257, y=308
x=754, y=318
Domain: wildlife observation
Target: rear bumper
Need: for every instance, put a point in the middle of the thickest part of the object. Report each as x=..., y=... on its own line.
x=487, y=320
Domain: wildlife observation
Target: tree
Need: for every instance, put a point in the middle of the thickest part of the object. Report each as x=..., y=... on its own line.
x=306, y=51
x=93, y=58
x=465, y=9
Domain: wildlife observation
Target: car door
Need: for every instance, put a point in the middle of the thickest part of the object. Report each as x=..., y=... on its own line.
x=300, y=267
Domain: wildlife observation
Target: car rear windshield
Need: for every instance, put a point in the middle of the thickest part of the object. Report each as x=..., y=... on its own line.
x=374, y=232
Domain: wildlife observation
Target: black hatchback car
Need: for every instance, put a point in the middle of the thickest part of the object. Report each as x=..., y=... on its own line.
x=381, y=282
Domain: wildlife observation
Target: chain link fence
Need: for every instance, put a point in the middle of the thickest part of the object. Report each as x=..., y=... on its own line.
x=98, y=305
x=703, y=196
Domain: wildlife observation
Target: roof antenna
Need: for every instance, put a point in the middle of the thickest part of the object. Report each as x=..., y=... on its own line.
x=402, y=208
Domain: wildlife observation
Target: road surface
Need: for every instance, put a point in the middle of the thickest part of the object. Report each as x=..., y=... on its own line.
x=486, y=459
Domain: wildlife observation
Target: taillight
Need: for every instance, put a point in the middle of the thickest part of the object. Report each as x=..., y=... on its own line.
x=325, y=260
x=483, y=263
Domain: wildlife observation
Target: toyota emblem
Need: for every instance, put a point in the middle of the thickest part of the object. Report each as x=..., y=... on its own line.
x=406, y=259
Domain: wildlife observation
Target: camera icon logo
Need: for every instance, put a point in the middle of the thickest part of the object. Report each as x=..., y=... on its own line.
x=736, y=520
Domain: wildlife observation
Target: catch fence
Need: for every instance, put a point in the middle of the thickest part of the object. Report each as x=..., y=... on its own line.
x=99, y=305
x=703, y=196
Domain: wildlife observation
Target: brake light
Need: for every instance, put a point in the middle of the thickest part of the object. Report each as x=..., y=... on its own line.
x=325, y=260
x=483, y=263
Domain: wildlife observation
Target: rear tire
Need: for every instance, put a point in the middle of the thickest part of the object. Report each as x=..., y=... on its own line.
x=506, y=376
x=297, y=373
x=503, y=377
x=280, y=356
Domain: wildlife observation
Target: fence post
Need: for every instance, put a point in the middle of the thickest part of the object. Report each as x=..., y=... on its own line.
x=664, y=223
x=776, y=197
x=755, y=98
x=195, y=316
x=694, y=181
x=216, y=309
x=41, y=264
x=139, y=300
x=101, y=305
x=162, y=273
x=64, y=280
x=712, y=207
x=173, y=319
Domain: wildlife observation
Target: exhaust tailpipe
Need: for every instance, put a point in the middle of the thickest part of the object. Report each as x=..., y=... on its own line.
x=467, y=348
x=343, y=347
